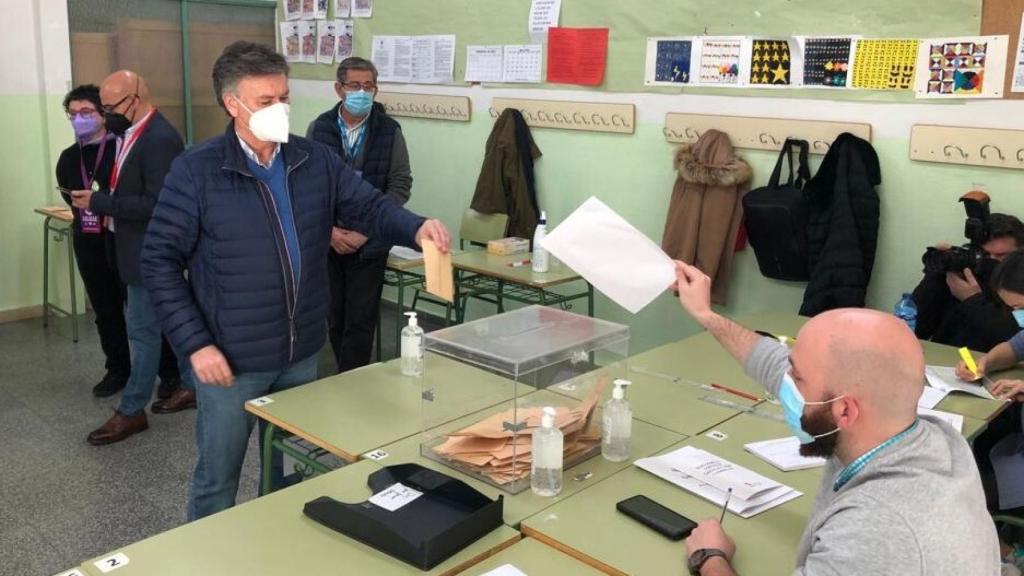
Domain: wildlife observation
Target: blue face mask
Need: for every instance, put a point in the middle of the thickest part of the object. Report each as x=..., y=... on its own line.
x=793, y=409
x=358, y=103
x=1018, y=315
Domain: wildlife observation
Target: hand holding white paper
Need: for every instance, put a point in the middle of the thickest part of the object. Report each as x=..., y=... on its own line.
x=611, y=254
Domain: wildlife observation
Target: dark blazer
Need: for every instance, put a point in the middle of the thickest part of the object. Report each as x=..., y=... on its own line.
x=218, y=221
x=138, y=188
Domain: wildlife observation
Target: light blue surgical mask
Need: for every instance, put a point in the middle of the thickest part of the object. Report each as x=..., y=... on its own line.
x=793, y=409
x=358, y=103
x=1018, y=315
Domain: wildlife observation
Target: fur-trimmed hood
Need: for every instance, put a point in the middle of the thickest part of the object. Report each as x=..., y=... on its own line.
x=711, y=160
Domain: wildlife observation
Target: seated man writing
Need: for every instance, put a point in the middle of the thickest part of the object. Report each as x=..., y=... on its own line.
x=900, y=494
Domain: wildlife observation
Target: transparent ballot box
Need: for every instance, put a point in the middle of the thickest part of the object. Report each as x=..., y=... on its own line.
x=486, y=382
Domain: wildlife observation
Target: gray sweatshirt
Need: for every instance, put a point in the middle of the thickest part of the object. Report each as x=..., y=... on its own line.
x=917, y=507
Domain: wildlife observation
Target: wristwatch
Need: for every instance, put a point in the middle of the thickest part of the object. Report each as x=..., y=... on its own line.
x=698, y=558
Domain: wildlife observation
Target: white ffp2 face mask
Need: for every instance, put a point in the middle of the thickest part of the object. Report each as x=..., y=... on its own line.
x=269, y=124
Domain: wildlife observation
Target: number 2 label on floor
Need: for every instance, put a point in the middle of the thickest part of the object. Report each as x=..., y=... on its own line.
x=111, y=563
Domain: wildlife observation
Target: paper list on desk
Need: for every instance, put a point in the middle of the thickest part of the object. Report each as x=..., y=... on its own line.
x=710, y=477
x=784, y=454
x=944, y=378
x=484, y=63
x=611, y=254
x=543, y=15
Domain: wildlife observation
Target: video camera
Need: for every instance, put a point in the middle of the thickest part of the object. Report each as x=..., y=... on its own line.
x=970, y=255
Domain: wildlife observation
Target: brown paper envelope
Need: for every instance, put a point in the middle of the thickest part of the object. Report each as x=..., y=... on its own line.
x=438, y=268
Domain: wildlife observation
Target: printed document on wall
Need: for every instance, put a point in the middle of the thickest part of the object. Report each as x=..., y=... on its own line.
x=290, y=41
x=414, y=59
x=342, y=8
x=484, y=63
x=543, y=15
x=362, y=8
x=611, y=254
x=345, y=39
x=326, y=40
x=1018, y=61
x=307, y=39
x=523, y=63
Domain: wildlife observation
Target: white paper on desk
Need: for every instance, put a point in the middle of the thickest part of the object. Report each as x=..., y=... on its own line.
x=944, y=378
x=484, y=63
x=611, y=254
x=543, y=15
x=783, y=453
x=505, y=570
x=395, y=496
x=930, y=397
x=954, y=420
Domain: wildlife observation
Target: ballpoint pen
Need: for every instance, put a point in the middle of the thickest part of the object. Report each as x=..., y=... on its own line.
x=728, y=495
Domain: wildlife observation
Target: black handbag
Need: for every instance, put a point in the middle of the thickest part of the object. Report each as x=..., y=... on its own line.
x=776, y=218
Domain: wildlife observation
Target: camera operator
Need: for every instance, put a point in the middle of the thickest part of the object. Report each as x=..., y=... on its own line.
x=955, y=305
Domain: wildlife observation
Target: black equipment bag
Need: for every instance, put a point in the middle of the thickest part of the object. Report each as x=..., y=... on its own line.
x=776, y=218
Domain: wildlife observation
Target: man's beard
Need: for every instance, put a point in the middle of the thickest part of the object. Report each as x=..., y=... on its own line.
x=819, y=422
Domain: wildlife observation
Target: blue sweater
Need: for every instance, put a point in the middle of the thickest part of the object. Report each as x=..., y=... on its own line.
x=276, y=179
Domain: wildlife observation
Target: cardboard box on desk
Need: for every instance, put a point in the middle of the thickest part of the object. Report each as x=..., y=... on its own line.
x=508, y=246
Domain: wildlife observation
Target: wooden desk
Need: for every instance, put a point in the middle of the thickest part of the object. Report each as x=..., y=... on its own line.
x=590, y=529
x=534, y=559
x=58, y=221
x=271, y=536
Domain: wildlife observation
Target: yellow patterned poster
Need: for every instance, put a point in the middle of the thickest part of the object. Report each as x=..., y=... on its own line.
x=885, y=64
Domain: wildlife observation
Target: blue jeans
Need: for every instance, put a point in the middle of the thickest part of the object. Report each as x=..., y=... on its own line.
x=222, y=434
x=144, y=342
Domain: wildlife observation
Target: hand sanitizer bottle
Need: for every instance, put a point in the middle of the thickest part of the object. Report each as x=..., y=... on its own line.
x=412, y=347
x=617, y=424
x=540, y=255
x=546, y=473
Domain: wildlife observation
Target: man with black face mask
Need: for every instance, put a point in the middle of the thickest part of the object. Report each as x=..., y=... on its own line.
x=958, y=308
x=900, y=494
x=146, y=146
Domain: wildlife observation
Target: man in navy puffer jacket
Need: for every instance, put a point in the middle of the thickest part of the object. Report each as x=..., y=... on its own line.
x=249, y=215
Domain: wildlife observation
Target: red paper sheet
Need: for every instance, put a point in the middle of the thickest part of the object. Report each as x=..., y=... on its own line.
x=577, y=55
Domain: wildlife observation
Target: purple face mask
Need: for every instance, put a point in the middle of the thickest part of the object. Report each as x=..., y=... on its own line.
x=85, y=126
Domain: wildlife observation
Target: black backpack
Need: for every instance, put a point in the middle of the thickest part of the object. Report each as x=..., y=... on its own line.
x=776, y=219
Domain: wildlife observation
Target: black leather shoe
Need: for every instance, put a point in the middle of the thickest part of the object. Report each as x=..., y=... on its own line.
x=110, y=385
x=167, y=387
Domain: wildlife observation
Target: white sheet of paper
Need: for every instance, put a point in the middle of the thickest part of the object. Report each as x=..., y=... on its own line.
x=612, y=255
x=362, y=8
x=321, y=10
x=783, y=453
x=505, y=570
x=930, y=397
x=345, y=39
x=292, y=9
x=1018, y=61
x=944, y=378
x=307, y=41
x=406, y=253
x=395, y=496
x=342, y=8
x=484, y=63
x=291, y=41
x=543, y=15
x=523, y=63
x=414, y=59
x=326, y=40
x=954, y=420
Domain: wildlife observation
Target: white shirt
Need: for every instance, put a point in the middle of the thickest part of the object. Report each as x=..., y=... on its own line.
x=254, y=157
x=352, y=132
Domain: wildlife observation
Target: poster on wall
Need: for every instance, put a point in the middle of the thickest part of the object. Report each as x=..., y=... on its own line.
x=965, y=67
x=720, y=62
x=885, y=64
x=1018, y=61
x=342, y=8
x=668, y=61
x=771, y=63
x=292, y=9
x=827, y=61
x=415, y=59
x=345, y=37
x=321, y=10
x=522, y=63
x=362, y=8
x=326, y=41
x=307, y=40
x=291, y=41
x=308, y=9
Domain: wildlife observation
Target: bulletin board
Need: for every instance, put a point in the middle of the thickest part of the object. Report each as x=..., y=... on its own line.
x=1003, y=17
x=631, y=23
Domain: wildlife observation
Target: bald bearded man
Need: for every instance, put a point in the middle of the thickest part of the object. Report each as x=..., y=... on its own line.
x=900, y=494
x=147, y=144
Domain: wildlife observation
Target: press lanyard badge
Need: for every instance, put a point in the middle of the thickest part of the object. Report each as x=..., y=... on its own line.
x=89, y=221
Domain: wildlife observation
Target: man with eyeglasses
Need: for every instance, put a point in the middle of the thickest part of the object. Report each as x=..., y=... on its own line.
x=371, y=143
x=146, y=145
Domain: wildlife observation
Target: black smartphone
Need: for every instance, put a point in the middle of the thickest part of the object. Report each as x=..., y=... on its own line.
x=657, y=517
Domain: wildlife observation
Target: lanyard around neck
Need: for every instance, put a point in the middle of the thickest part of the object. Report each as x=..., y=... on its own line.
x=351, y=152
x=87, y=180
x=857, y=465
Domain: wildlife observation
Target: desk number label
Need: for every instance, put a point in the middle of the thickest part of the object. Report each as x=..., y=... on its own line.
x=72, y=572
x=716, y=435
x=111, y=563
x=376, y=455
x=262, y=401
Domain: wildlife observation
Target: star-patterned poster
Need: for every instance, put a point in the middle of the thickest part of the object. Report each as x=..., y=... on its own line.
x=827, y=61
x=668, y=61
x=771, y=63
x=885, y=64
x=967, y=67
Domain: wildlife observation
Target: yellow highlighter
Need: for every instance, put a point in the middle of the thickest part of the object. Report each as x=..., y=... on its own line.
x=969, y=361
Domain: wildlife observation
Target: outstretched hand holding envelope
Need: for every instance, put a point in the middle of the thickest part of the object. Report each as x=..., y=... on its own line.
x=611, y=254
x=437, y=266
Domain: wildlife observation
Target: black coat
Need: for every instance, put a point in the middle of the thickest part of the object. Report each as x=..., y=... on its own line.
x=980, y=322
x=138, y=187
x=842, y=226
